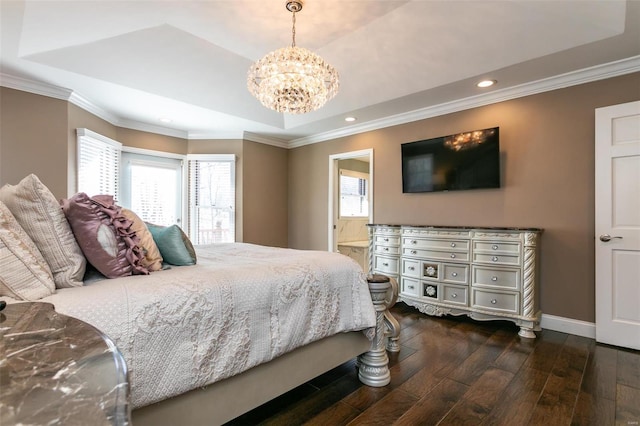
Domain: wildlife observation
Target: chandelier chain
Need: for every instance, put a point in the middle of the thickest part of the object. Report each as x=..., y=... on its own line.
x=293, y=30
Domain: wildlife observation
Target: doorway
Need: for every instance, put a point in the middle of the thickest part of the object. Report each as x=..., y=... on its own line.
x=350, y=203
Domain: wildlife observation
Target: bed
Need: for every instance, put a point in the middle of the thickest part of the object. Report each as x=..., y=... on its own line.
x=207, y=342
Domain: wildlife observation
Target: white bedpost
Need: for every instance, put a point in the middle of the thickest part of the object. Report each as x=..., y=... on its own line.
x=374, y=365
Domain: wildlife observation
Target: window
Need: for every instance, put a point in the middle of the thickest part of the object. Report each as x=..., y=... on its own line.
x=354, y=194
x=151, y=186
x=98, y=163
x=212, y=198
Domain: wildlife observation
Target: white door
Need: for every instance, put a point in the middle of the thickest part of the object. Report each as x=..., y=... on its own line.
x=617, y=230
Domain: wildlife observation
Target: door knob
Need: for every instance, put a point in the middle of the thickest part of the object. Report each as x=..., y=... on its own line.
x=606, y=237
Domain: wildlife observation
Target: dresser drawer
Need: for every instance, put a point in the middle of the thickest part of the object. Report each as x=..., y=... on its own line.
x=410, y=286
x=456, y=274
x=496, y=301
x=380, y=249
x=496, y=278
x=425, y=243
x=497, y=259
x=387, y=240
x=496, y=247
x=386, y=265
x=437, y=254
x=455, y=294
x=411, y=268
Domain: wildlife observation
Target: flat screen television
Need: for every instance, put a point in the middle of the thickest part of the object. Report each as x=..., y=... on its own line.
x=469, y=160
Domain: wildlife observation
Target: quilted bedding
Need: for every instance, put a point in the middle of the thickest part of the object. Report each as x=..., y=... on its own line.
x=240, y=306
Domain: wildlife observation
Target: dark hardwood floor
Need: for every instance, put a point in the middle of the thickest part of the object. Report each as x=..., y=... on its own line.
x=455, y=371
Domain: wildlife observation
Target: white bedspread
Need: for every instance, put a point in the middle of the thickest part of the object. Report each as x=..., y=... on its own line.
x=240, y=306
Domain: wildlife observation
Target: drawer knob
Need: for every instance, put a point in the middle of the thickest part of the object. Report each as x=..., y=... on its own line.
x=385, y=264
x=386, y=240
x=453, y=244
x=410, y=287
x=494, y=258
x=454, y=274
x=453, y=255
x=494, y=301
x=494, y=278
x=413, y=252
x=411, y=268
x=454, y=295
x=386, y=249
x=414, y=242
x=495, y=247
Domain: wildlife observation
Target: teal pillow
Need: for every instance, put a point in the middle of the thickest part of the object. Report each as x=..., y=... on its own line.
x=174, y=245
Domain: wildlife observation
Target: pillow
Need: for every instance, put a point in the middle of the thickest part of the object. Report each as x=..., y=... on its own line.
x=175, y=247
x=152, y=259
x=104, y=235
x=24, y=274
x=39, y=214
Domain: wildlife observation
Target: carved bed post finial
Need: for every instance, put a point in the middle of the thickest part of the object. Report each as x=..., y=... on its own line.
x=374, y=365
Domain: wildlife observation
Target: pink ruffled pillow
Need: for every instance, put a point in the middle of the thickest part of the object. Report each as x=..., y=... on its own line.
x=104, y=235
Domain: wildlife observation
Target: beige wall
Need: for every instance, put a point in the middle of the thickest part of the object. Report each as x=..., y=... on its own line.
x=266, y=174
x=547, y=149
x=33, y=139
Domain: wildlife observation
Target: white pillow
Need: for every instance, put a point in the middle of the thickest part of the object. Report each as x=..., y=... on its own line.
x=40, y=215
x=24, y=274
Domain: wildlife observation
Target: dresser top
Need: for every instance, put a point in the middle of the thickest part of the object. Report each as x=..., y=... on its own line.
x=469, y=228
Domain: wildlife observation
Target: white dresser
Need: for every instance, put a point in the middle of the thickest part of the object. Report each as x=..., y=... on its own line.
x=485, y=273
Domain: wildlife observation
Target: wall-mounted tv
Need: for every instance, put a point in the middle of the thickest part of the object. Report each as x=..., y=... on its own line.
x=469, y=160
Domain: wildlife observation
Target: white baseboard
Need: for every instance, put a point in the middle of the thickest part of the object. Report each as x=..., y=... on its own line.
x=568, y=325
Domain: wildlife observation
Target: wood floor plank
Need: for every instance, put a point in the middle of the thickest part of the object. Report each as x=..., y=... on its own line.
x=336, y=415
x=560, y=393
x=387, y=410
x=627, y=405
x=430, y=409
x=600, y=373
x=593, y=411
x=518, y=399
x=478, y=362
x=514, y=356
x=544, y=354
x=628, y=372
x=479, y=399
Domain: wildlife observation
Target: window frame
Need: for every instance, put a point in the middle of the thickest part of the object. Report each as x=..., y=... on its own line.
x=357, y=175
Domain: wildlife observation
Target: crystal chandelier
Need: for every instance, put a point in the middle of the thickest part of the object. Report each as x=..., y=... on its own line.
x=293, y=79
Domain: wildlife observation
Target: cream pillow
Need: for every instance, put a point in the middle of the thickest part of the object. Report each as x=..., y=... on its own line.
x=40, y=215
x=152, y=258
x=24, y=274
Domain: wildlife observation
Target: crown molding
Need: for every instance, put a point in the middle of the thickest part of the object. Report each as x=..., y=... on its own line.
x=151, y=128
x=35, y=87
x=265, y=140
x=87, y=105
x=574, y=78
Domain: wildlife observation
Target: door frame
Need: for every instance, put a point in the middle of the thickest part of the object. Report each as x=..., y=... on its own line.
x=333, y=190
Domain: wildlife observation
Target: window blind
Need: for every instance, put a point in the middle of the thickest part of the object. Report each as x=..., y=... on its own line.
x=211, y=198
x=98, y=163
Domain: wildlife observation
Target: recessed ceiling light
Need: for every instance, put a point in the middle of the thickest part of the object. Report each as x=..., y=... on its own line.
x=350, y=119
x=486, y=83
x=165, y=120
